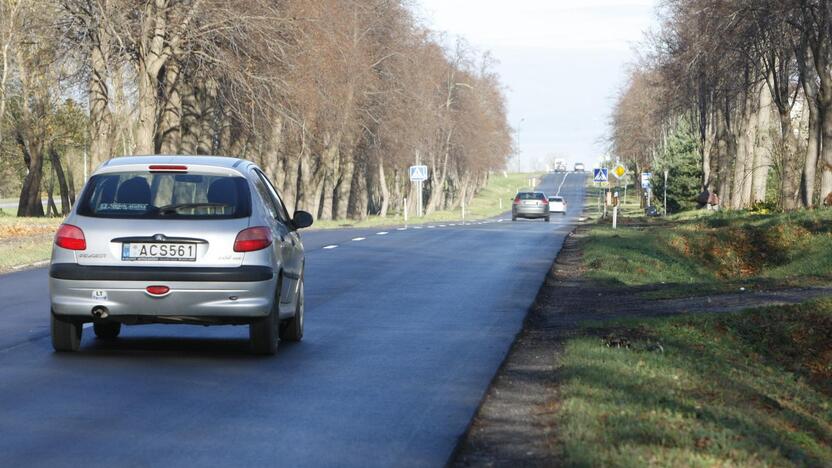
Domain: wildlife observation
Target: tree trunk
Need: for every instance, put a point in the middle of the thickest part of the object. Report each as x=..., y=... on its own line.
x=789, y=164
x=62, y=185
x=146, y=108
x=344, y=187
x=169, y=137
x=762, y=147
x=101, y=120
x=382, y=185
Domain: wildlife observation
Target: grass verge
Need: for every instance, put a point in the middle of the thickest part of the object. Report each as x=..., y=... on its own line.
x=709, y=252
x=741, y=389
x=25, y=240
x=486, y=204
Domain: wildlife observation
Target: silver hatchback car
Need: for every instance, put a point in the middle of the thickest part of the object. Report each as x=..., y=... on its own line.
x=530, y=205
x=178, y=239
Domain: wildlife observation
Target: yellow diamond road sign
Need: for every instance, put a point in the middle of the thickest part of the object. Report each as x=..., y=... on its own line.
x=619, y=171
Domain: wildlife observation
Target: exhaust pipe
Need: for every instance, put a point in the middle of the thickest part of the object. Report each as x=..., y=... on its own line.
x=100, y=312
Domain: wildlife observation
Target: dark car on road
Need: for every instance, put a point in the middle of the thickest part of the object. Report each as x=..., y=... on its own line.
x=530, y=205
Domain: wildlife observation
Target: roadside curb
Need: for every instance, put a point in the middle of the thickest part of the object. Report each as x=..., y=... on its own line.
x=27, y=266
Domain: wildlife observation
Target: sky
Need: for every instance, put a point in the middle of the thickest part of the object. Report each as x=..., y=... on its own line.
x=562, y=62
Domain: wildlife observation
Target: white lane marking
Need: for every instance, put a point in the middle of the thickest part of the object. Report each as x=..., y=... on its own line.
x=330, y=247
x=357, y=239
x=561, y=183
x=88, y=325
x=499, y=220
x=452, y=225
x=441, y=225
x=402, y=229
x=431, y=227
x=417, y=227
x=382, y=233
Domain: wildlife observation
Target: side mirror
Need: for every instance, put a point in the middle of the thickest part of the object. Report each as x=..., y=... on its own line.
x=302, y=219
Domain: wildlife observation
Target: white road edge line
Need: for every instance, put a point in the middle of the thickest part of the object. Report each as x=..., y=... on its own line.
x=330, y=247
x=358, y=239
x=382, y=233
x=402, y=229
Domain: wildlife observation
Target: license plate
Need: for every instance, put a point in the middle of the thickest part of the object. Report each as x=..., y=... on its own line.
x=155, y=252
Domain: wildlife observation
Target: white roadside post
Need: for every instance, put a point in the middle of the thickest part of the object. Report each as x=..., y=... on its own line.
x=463, y=210
x=665, y=192
x=405, y=211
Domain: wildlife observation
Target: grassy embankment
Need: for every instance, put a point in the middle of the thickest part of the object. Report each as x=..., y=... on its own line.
x=27, y=240
x=752, y=388
x=704, y=252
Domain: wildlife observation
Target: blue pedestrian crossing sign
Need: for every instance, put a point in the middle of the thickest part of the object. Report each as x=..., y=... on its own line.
x=601, y=174
x=418, y=173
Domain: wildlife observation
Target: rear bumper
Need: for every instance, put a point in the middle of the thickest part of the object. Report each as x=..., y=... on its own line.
x=243, y=274
x=531, y=212
x=245, y=292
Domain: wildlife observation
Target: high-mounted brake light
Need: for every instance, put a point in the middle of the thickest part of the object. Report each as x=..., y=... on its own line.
x=70, y=237
x=251, y=239
x=167, y=168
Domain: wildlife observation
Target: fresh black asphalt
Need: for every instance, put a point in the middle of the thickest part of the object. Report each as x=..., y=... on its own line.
x=404, y=331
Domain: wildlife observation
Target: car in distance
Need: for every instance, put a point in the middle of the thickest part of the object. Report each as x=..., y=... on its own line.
x=530, y=205
x=557, y=205
x=178, y=239
x=579, y=167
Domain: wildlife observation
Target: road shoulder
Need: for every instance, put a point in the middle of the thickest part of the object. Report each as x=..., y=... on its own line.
x=517, y=422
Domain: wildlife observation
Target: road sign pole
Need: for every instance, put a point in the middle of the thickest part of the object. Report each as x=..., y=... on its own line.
x=419, y=199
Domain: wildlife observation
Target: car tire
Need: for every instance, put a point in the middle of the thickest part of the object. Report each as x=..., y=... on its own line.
x=107, y=331
x=547, y=219
x=292, y=329
x=514, y=218
x=66, y=335
x=263, y=332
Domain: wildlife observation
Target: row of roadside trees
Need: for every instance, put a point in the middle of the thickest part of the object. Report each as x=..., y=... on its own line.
x=333, y=98
x=750, y=83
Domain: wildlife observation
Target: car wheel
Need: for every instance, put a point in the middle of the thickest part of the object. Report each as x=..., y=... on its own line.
x=514, y=218
x=262, y=333
x=547, y=219
x=66, y=335
x=107, y=331
x=292, y=329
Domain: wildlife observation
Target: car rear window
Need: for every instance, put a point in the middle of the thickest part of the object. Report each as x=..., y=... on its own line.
x=531, y=196
x=146, y=195
x=556, y=199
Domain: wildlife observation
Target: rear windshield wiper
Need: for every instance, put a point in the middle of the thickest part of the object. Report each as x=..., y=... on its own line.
x=171, y=209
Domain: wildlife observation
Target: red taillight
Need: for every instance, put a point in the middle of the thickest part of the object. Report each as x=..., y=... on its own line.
x=157, y=290
x=251, y=239
x=167, y=168
x=545, y=201
x=517, y=200
x=70, y=237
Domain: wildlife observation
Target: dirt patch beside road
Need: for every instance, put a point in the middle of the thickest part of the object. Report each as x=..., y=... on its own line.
x=516, y=424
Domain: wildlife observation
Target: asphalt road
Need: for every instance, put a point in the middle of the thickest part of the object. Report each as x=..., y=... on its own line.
x=404, y=331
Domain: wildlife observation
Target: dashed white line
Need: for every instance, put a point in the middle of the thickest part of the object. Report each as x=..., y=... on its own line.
x=402, y=229
x=357, y=239
x=417, y=227
x=431, y=227
x=330, y=247
x=452, y=225
x=442, y=225
x=382, y=233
